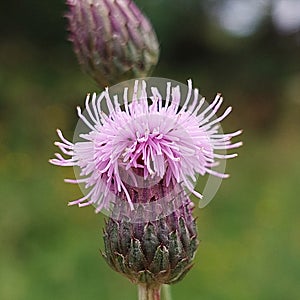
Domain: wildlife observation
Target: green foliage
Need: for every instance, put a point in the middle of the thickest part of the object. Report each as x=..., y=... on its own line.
x=249, y=233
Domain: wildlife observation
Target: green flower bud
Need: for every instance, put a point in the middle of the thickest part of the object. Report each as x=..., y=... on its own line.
x=112, y=39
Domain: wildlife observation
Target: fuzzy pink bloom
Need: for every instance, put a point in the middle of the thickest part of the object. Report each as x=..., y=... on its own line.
x=160, y=138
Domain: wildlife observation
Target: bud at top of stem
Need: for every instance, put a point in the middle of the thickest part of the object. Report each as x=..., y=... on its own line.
x=112, y=39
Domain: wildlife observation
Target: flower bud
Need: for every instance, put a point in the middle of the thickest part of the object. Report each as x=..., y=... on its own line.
x=112, y=39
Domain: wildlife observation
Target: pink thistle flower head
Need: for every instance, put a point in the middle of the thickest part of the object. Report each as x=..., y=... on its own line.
x=141, y=135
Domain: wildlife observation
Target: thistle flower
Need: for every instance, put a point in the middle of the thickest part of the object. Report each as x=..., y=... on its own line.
x=139, y=160
x=160, y=139
x=112, y=39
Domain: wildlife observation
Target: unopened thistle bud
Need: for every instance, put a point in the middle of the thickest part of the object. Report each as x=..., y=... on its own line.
x=112, y=39
x=138, y=159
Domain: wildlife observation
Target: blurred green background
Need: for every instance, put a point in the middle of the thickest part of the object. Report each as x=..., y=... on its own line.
x=250, y=232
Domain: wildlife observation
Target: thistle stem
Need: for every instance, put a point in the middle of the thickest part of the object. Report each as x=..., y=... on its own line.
x=166, y=291
x=148, y=293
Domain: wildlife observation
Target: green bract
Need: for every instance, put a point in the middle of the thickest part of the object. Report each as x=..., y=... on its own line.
x=154, y=252
x=112, y=39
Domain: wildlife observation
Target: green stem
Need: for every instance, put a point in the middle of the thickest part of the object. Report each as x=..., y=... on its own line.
x=147, y=293
x=166, y=291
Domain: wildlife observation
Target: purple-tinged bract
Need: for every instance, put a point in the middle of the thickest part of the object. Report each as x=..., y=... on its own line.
x=153, y=252
x=113, y=39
